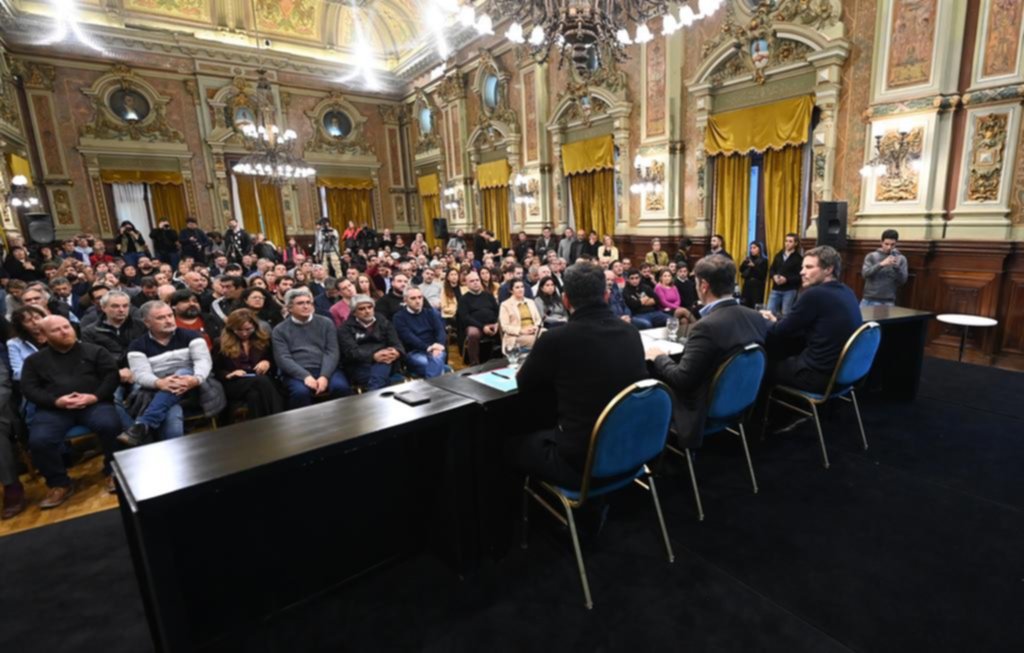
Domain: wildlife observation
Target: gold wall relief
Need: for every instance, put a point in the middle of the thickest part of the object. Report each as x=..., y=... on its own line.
x=126, y=107
x=900, y=181
x=987, y=147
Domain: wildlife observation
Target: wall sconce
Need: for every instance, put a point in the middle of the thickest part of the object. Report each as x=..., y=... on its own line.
x=21, y=194
x=524, y=189
x=451, y=201
x=892, y=157
x=649, y=175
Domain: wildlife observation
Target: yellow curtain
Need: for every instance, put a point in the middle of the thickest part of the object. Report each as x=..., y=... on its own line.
x=344, y=204
x=495, y=205
x=593, y=201
x=140, y=177
x=19, y=166
x=493, y=174
x=269, y=203
x=589, y=155
x=732, y=201
x=781, y=174
x=168, y=202
x=766, y=127
x=345, y=183
x=429, y=187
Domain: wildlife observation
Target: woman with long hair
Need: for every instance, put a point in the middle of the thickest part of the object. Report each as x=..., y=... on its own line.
x=754, y=270
x=259, y=302
x=488, y=281
x=451, y=290
x=607, y=253
x=365, y=286
x=549, y=303
x=27, y=324
x=666, y=292
x=244, y=365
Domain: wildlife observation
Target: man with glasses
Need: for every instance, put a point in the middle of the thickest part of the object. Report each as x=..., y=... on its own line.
x=306, y=352
x=422, y=333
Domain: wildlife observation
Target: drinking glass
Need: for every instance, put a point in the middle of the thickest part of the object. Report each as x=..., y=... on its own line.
x=510, y=348
x=671, y=328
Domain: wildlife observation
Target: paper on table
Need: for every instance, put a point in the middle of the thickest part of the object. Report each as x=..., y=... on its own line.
x=502, y=379
x=666, y=346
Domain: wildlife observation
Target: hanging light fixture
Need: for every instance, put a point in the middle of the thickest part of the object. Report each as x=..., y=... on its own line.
x=21, y=194
x=270, y=146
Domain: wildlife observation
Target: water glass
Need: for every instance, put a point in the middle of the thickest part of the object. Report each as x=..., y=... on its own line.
x=671, y=328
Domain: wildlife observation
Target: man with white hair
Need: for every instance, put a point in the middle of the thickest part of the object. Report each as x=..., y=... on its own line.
x=115, y=330
x=71, y=383
x=369, y=345
x=306, y=352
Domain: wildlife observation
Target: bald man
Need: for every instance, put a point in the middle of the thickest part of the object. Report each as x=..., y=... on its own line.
x=71, y=383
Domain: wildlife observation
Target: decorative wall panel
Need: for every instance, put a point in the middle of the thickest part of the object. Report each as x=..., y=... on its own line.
x=998, y=56
x=912, y=43
x=530, y=111
x=656, y=93
x=986, y=169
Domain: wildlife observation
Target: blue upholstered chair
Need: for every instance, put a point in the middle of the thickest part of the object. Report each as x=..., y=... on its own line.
x=733, y=391
x=629, y=433
x=853, y=365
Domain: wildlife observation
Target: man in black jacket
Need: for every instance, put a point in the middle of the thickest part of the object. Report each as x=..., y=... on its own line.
x=193, y=241
x=545, y=243
x=165, y=243
x=785, y=275
x=370, y=348
x=476, y=316
x=236, y=242
x=725, y=327
x=641, y=300
x=575, y=371
x=393, y=300
x=72, y=384
x=115, y=330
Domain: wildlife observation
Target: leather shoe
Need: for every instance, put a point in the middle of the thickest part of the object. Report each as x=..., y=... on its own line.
x=14, y=501
x=133, y=436
x=56, y=496
x=111, y=485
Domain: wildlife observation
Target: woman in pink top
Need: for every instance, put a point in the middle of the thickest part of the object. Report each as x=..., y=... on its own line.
x=668, y=295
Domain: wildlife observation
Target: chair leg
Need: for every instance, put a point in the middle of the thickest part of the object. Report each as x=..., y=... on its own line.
x=661, y=519
x=696, y=492
x=524, y=542
x=860, y=422
x=821, y=436
x=746, y=450
x=579, y=558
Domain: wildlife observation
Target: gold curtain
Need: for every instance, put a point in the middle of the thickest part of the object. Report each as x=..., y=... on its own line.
x=589, y=155
x=344, y=204
x=495, y=205
x=168, y=202
x=19, y=166
x=140, y=177
x=781, y=174
x=732, y=201
x=766, y=127
x=269, y=203
x=593, y=201
x=493, y=174
x=430, y=205
x=345, y=183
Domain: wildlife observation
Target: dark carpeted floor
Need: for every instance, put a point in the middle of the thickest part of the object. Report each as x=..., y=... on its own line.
x=914, y=545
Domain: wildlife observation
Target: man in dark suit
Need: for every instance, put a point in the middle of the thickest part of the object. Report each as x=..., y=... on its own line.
x=725, y=326
x=572, y=372
x=545, y=243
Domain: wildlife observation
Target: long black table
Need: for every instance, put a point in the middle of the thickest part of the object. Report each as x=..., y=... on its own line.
x=896, y=373
x=235, y=525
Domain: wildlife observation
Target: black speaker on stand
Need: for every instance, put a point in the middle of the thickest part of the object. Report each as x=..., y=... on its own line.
x=39, y=227
x=441, y=229
x=832, y=224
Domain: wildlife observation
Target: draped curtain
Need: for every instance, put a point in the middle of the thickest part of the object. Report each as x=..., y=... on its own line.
x=256, y=199
x=590, y=168
x=732, y=201
x=166, y=193
x=168, y=201
x=348, y=199
x=782, y=173
x=430, y=205
x=130, y=205
x=493, y=180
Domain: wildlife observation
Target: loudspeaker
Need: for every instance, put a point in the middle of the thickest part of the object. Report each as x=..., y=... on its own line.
x=441, y=228
x=832, y=224
x=40, y=228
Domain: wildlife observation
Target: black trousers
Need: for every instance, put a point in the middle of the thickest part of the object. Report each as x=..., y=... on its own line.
x=540, y=455
x=260, y=394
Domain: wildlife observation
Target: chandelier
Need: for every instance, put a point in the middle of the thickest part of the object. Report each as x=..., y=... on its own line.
x=270, y=146
x=649, y=176
x=577, y=28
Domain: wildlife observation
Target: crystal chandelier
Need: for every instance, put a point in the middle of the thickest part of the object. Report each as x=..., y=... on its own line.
x=649, y=178
x=576, y=28
x=270, y=146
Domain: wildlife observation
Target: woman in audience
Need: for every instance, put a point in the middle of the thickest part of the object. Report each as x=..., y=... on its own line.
x=519, y=318
x=549, y=304
x=450, y=293
x=27, y=323
x=489, y=283
x=608, y=253
x=666, y=292
x=258, y=282
x=259, y=301
x=129, y=277
x=754, y=270
x=457, y=243
x=365, y=286
x=245, y=366
x=19, y=266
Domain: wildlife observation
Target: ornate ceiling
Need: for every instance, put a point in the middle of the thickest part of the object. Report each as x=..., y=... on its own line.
x=387, y=35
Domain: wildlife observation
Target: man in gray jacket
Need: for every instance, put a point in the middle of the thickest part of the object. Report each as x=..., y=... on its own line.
x=885, y=270
x=307, y=353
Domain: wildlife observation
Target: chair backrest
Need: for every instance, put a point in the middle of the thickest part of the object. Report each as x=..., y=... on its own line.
x=737, y=382
x=631, y=431
x=857, y=357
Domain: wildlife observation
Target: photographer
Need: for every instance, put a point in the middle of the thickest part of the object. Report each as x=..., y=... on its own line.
x=236, y=242
x=130, y=244
x=326, y=250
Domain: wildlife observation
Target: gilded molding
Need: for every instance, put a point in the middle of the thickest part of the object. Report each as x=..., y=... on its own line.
x=107, y=125
x=34, y=74
x=940, y=102
x=987, y=152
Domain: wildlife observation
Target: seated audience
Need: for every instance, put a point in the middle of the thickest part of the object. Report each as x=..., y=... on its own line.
x=116, y=330
x=571, y=373
x=450, y=293
x=305, y=347
x=259, y=301
x=343, y=307
x=189, y=315
x=618, y=305
x=71, y=383
x=520, y=320
x=421, y=330
x=329, y=295
x=431, y=288
x=370, y=348
x=686, y=286
x=666, y=292
x=245, y=366
x=232, y=287
x=391, y=302
x=657, y=256
x=607, y=253
x=477, y=316
x=549, y=303
x=642, y=301
x=27, y=324
x=725, y=327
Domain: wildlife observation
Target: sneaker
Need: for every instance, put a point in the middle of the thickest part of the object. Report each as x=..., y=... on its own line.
x=56, y=496
x=14, y=500
x=111, y=485
x=133, y=436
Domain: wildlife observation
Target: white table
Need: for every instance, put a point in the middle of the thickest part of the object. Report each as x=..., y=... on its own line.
x=965, y=321
x=657, y=338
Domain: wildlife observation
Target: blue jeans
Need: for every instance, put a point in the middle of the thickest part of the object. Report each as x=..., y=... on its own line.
x=640, y=322
x=164, y=416
x=876, y=302
x=50, y=427
x=423, y=365
x=372, y=376
x=656, y=319
x=299, y=395
x=780, y=302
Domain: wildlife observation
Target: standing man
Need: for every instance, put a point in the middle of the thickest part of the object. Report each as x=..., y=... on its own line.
x=193, y=241
x=565, y=245
x=71, y=384
x=326, y=250
x=236, y=242
x=165, y=243
x=885, y=271
x=545, y=243
x=785, y=275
